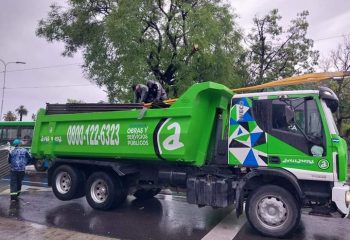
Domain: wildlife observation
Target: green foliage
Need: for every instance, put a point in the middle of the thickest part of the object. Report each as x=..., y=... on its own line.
x=345, y=131
x=339, y=60
x=276, y=52
x=21, y=111
x=341, y=88
x=10, y=116
x=176, y=42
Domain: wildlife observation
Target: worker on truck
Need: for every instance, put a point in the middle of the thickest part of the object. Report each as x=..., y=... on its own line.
x=156, y=92
x=140, y=93
x=18, y=158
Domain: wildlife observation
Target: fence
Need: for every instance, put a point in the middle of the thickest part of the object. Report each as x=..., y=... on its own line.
x=4, y=165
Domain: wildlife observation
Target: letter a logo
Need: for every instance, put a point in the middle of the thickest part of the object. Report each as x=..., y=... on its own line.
x=173, y=141
x=167, y=139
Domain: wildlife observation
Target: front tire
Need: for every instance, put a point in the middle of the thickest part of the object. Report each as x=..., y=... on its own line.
x=105, y=191
x=273, y=211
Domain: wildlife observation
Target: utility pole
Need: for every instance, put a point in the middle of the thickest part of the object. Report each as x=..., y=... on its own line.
x=3, y=86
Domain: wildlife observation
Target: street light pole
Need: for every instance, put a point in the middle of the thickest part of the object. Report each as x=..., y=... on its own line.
x=3, y=86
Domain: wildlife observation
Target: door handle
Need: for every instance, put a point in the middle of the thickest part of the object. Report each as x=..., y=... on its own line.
x=274, y=159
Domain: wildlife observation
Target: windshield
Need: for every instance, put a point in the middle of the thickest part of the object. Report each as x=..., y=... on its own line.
x=330, y=120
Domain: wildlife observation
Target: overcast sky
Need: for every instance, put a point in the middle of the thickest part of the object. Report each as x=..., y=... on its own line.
x=32, y=87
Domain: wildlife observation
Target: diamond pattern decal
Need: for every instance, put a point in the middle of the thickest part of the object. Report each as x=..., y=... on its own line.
x=247, y=142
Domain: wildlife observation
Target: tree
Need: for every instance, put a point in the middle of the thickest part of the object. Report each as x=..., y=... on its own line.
x=339, y=60
x=275, y=52
x=10, y=116
x=176, y=42
x=21, y=111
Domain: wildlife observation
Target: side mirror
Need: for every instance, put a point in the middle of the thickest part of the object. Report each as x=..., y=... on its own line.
x=332, y=104
x=330, y=98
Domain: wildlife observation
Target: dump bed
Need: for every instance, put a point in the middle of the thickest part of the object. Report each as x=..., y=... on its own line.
x=180, y=133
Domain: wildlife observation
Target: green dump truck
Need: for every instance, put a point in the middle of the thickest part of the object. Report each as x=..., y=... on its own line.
x=277, y=152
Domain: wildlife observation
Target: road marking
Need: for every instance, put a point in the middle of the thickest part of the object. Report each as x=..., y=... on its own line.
x=25, y=181
x=26, y=188
x=227, y=228
x=171, y=197
x=42, y=183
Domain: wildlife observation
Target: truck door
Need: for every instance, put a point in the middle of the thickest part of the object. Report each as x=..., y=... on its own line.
x=296, y=139
x=247, y=139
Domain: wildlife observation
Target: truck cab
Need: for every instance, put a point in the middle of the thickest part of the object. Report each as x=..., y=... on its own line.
x=292, y=132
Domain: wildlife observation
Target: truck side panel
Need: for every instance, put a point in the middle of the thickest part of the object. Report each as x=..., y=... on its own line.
x=179, y=133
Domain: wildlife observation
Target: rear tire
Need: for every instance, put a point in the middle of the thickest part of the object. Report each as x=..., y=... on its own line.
x=105, y=191
x=144, y=194
x=68, y=183
x=273, y=211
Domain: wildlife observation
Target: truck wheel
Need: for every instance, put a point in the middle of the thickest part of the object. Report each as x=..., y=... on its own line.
x=105, y=191
x=273, y=211
x=144, y=194
x=39, y=165
x=67, y=183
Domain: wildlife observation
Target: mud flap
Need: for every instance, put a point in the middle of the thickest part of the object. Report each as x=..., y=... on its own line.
x=239, y=198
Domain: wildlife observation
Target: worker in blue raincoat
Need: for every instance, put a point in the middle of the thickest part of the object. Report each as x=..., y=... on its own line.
x=18, y=158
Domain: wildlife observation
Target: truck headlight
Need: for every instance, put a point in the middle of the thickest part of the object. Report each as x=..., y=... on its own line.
x=347, y=197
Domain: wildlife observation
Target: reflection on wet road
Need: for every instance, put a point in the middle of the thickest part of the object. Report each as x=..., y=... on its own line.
x=158, y=218
x=164, y=217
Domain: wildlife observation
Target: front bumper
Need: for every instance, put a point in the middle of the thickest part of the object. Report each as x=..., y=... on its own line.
x=341, y=197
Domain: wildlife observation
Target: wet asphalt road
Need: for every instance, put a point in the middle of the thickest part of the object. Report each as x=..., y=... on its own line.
x=152, y=219
x=164, y=217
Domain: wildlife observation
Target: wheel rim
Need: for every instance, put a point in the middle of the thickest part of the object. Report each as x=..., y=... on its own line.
x=99, y=191
x=272, y=211
x=63, y=182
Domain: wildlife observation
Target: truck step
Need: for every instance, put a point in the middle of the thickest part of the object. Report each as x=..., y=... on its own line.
x=88, y=107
